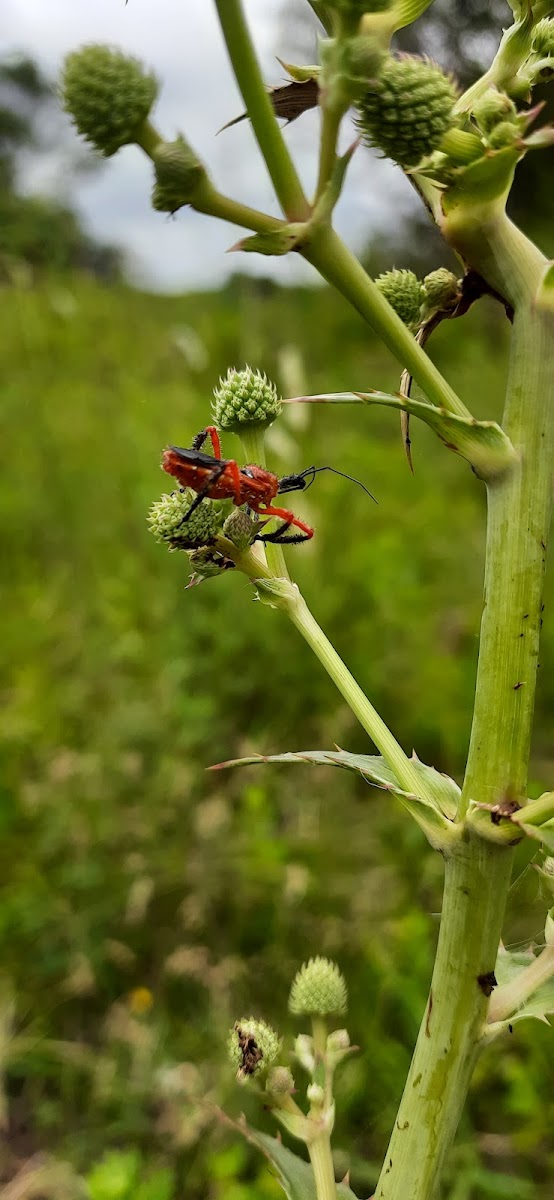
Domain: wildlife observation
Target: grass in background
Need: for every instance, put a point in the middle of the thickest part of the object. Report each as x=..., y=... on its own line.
x=146, y=904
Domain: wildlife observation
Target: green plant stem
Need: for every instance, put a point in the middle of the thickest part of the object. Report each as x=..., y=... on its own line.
x=477, y=875
x=290, y=600
x=253, y=444
x=328, y=254
x=369, y=719
x=330, y=125
x=215, y=204
x=511, y=54
x=322, y=1165
x=538, y=812
x=519, y=509
x=282, y=171
x=506, y=1001
x=322, y=15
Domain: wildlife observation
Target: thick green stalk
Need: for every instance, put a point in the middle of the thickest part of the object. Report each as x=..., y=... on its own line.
x=477, y=877
x=519, y=509
x=245, y=65
x=328, y=254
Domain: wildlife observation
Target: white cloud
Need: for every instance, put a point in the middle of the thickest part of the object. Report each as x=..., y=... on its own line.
x=181, y=41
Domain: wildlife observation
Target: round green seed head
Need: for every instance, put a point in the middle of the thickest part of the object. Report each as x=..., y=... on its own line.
x=179, y=173
x=407, y=109
x=239, y=528
x=108, y=96
x=253, y=1046
x=165, y=521
x=318, y=989
x=404, y=293
x=441, y=289
x=280, y=1081
x=245, y=398
x=543, y=38
x=491, y=108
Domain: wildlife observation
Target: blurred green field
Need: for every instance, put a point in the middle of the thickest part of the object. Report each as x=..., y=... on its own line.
x=145, y=903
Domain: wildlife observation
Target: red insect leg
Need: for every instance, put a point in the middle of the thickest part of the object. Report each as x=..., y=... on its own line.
x=214, y=438
x=289, y=517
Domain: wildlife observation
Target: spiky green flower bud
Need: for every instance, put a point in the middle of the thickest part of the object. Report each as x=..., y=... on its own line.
x=165, y=521
x=108, y=95
x=491, y=108
x=179, y=176
x=404, y=293
x=441, y=290
x=280, y=1081
x=245, y=398
x=253, y=1046
x=208, y=563
x=407, y=109
x=506, y=133
x=240, y=528
x=543, y=38
x=318, y=989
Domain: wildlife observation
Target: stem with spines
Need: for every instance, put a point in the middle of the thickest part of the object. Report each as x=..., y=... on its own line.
x=477, y=874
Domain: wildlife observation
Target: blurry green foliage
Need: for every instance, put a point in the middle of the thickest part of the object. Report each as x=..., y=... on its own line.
x=146, y=903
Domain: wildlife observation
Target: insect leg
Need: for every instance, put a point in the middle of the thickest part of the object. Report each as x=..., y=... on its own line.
x=216, y=474
x=209, y=432
x=289, y=518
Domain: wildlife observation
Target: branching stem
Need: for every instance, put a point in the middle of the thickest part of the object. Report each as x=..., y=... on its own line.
x=260, y=111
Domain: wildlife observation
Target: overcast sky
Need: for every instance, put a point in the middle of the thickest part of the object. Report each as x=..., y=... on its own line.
x=180, y=40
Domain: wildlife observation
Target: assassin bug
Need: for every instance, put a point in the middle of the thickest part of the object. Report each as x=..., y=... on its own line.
x=221, y=478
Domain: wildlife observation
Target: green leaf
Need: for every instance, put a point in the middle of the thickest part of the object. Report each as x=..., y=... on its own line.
x=540, y=833
x=275, y=242
x=433, y=816
x=372, y=767
x=483, y=443
x=294, y=1174
x=541, y=1004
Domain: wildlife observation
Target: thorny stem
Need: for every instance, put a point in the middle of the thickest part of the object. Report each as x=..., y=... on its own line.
x=260, y=111
x=477, y=877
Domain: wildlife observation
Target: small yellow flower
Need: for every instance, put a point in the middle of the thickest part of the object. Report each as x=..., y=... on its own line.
x=140, y=1001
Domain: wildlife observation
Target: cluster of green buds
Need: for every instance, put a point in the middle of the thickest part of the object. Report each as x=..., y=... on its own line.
x=109, y=97
x=407, y=109
x=243, y=400
x=415, y=301
x=318, y=992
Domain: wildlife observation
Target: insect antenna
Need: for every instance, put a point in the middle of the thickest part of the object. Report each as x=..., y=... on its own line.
x=310, y=473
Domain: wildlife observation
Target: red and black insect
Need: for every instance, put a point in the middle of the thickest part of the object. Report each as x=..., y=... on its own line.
x=221, y=479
